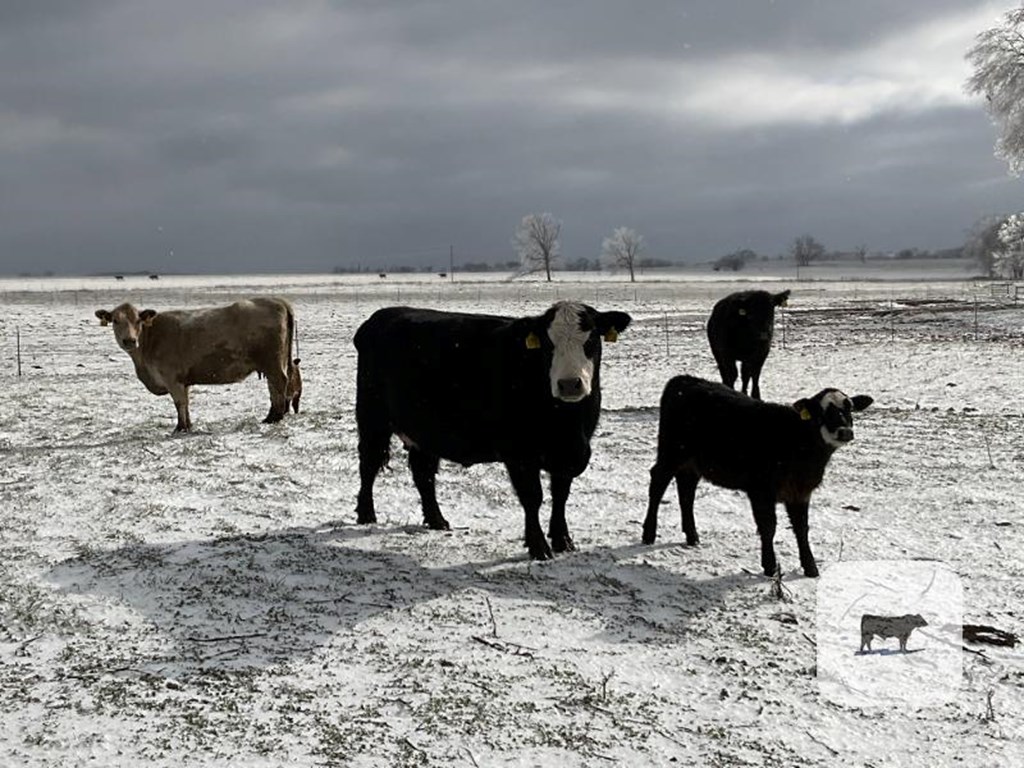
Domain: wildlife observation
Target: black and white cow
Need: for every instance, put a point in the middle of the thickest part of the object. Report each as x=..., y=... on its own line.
x=741, y=328
x=481, y=388
x=774, y=453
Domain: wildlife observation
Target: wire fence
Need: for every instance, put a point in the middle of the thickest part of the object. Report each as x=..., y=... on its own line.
x=46, y=333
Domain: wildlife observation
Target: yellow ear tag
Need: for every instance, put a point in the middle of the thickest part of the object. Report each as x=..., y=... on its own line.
x=805, y=414
x=532, y=342
x=104, y=323
x=741, y=312
x=611, y=336
x=785, y=303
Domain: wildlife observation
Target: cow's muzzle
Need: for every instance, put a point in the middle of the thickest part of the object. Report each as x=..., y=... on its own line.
x=571, y=390
x=844, y=434
x=129, y=344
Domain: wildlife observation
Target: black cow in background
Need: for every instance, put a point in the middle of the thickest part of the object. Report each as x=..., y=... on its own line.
x=775, y=453
x=741, y=328
x=481, y=388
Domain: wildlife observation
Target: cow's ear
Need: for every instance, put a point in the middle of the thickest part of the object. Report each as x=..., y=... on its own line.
x=781, y=299
x=147, y=315
x=611, y=324
x=805, y=408
x=860, y=402
x=104, y=316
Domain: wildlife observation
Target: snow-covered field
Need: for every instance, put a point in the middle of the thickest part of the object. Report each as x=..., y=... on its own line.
x=208, y=600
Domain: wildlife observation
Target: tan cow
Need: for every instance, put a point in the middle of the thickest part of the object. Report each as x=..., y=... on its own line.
x=221, y=345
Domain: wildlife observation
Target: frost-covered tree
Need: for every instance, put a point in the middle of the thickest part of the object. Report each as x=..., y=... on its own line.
x=998, y=61
x=536, y=242
x=622, y=249
x=806, y=249
x=1009, y=260
x=983, y=242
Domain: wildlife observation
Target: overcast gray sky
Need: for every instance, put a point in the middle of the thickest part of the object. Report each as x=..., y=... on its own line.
x=215, y=136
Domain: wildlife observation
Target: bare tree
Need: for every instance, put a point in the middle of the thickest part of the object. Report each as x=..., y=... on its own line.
x=622, y=249
x=998, y=60
x=536, y=242
x=806, y=249
x=983, y=242
x=861, y=252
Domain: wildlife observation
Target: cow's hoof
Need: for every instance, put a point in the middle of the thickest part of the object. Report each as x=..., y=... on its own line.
x=437, y=524
x=365, y=518
x=273, y=418
x=811, y=571
x=540, y=550
x=692, y=541
x=563, y=544
x=649, y=537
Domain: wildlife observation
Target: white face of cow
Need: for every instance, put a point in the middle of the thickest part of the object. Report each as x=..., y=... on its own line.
x=572, y=369
x=836, y=415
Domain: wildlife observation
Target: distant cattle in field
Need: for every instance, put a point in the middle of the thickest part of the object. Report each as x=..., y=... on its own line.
x=154, y=277
x=899, y=627
x=481, y=388
x=382, y=275
x=774, y=453
x=119, y=277
x=175, y=349
x=740, y=329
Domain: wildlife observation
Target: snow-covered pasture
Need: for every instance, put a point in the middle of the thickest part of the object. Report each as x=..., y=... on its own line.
x=207, y=599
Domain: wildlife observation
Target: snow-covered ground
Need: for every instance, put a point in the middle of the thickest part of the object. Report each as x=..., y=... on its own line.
x=208, y=600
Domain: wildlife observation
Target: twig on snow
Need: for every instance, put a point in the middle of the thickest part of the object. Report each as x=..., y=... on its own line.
x=225, y=638
x=490, y=612
x=504, y=647
x=472, y=759
x=834, y=752
x=809, y=639
x=779, y=590
x=413, y=746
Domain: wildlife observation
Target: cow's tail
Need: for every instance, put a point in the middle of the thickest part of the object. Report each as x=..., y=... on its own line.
x=293, y=338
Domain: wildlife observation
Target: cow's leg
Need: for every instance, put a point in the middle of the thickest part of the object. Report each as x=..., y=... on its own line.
x=752, y=373
x=798, y=519
x=277, y=383
x=686, y=485
x=558, y=529
x=526, y=482
x=726, y=368
x=179, y=394
x=763, y=506
x=424, y=470
x=374, y=445
x=661, y=476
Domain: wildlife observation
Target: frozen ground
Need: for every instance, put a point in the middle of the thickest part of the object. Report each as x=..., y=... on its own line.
x=207, y=600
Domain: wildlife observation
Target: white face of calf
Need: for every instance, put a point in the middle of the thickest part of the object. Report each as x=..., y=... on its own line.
x=833, y=412
x=572, y=368
x=128, y=323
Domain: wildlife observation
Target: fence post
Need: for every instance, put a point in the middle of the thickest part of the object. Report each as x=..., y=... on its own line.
x=17, y=335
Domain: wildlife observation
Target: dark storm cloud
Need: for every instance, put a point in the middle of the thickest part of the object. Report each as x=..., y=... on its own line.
x=260, y=135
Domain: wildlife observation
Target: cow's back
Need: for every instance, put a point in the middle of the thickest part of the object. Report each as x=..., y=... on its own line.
x=468, y=389
x=219, y=345
x=732, y=439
